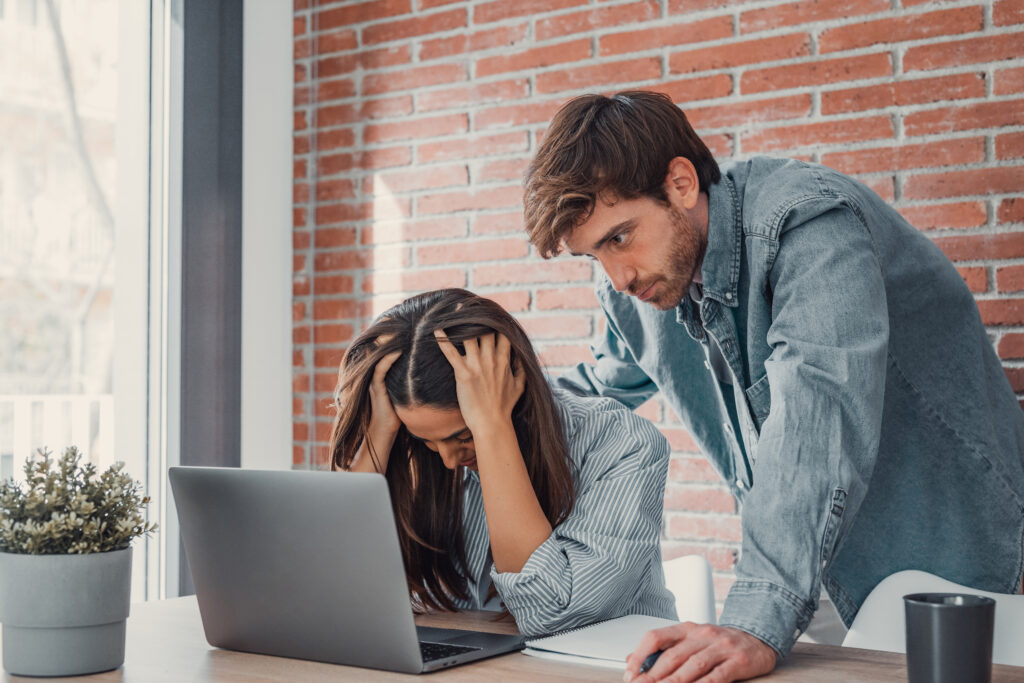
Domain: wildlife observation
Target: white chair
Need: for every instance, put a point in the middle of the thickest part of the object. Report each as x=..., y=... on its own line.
x=880, y=623
x=689, y=579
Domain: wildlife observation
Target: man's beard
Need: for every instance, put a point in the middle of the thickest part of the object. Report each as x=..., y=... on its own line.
x=685, y=248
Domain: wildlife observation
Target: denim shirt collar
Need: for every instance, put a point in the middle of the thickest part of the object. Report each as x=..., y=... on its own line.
x=720, y=269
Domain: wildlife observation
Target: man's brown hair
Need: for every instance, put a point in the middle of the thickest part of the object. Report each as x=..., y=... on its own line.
x=619, y=145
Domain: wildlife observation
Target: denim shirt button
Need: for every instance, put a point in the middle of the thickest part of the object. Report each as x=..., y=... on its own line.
x=728, y=295
x=741, y=485
x=727, y=427
x=707, y=365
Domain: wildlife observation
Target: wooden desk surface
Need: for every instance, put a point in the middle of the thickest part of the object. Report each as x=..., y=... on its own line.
x=166, y=643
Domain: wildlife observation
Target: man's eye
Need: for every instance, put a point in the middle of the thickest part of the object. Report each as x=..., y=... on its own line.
x=619, y=238
x=466, y=440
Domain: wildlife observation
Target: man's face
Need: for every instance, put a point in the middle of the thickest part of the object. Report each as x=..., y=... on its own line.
x=647, y=249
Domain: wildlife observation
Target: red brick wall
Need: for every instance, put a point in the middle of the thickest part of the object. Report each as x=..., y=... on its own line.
x=414, y=120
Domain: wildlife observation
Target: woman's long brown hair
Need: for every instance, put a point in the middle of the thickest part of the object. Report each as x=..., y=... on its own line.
x=426, y=496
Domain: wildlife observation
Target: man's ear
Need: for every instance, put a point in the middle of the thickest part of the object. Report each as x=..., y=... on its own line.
x=682, y=184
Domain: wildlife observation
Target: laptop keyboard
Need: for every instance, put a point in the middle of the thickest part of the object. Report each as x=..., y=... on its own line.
x=432, y=651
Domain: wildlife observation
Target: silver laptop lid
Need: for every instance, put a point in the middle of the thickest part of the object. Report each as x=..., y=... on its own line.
x=297, y=564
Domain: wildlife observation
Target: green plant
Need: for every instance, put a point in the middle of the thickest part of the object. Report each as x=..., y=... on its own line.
x=69, y=509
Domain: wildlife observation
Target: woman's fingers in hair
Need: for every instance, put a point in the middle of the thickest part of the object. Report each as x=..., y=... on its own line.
x=502, y=346
x=479, y=351
x=488, y=347
x=448, y=349
x=504, y=353
x=473, y=351
x=384, y=364
x=384, y=423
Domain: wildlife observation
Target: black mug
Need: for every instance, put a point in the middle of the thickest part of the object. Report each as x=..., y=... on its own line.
x=949, y=637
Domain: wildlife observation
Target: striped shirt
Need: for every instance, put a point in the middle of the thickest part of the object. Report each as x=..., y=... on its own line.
x=604, y=560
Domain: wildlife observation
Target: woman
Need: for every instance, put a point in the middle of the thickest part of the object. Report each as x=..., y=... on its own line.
x=502, y=488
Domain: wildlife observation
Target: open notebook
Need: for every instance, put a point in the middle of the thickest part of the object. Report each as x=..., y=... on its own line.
x=606, y=643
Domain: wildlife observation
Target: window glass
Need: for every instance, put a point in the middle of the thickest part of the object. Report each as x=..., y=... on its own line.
x=61, y=117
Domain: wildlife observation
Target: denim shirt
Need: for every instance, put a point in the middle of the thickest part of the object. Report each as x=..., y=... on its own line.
x=865, y=425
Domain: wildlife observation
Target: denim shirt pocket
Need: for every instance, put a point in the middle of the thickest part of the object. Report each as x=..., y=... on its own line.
x=759, y=398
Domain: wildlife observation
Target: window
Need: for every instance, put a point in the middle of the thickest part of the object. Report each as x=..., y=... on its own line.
x=120, y=178
x=75, y=233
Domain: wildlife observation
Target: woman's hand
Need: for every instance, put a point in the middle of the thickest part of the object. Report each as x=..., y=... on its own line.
x=383, y=419
x=486, y=387
x=488, y=390
x=384, y=423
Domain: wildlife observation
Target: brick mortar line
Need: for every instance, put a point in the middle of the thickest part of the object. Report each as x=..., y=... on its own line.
x=862, y=145
x=737, y=98
x=474, y=237
x=500, y=288
x=664, y=19
x=990, y=132
x=469, y=59
x=813, y=30
x=702, y=103
x=993, y=228
x=734, y=98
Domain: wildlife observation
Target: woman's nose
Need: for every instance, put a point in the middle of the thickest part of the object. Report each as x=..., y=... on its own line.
x=449, y=455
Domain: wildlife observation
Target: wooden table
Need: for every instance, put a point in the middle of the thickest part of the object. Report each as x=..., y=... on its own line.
x=166, y=643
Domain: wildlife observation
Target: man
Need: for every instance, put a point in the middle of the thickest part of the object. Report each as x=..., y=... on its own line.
x=826, y=357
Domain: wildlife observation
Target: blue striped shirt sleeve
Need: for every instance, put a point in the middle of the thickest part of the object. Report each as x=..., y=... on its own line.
x=603, y=561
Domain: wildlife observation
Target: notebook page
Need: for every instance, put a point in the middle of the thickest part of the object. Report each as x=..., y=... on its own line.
x=613, y=640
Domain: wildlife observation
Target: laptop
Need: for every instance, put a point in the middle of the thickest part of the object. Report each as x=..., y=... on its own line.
x=307, y=565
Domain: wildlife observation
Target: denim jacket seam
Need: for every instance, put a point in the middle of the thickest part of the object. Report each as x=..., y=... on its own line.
x=748, y=587
x=736, y=233
x=777, y=218
x=841, y=600
x=953, y=430
x=737, y=246
x=836, y=510
x=967, y=445
x=773, y=230
x=774, y=222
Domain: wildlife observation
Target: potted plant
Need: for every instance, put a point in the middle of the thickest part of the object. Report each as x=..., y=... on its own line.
x=65, y=565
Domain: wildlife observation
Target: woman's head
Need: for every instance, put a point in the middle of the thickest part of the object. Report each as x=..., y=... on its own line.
x=424, y=465
x=421, y=383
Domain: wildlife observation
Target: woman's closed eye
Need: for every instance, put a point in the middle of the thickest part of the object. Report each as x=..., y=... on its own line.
x=462, y=437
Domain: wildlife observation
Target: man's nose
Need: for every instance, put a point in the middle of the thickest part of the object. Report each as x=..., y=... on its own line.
x=621, y=275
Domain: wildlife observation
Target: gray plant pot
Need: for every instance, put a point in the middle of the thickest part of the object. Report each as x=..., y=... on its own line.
x=64, y=615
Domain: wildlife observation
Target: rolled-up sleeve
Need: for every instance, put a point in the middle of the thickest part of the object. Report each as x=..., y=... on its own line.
x=600, y=561
x=817, y=448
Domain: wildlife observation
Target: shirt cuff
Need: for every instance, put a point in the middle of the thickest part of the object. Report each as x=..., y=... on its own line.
x=768, y=612
x=523, y=589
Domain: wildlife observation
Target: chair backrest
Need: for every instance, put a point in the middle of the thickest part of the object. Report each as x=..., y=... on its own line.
x=689, y=579
x=880, y=623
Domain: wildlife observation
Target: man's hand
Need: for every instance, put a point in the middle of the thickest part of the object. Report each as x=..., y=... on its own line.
x=700, y=652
